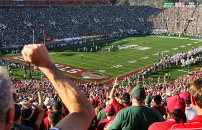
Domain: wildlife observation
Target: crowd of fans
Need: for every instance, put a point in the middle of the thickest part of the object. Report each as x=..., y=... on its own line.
x=56, y=103
x=64, y=22
x=39, y=104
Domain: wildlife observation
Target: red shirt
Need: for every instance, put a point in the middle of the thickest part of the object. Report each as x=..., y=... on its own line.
x=117, y=106
x=111, y=119
x=163, y=125
x=102, y=124
x=46, y=122
x=162, y=108
x=46, y=114
x=194, y=124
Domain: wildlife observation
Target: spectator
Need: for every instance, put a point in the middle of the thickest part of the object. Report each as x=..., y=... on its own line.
x=158, y=106
x=189, y=111
x=57, y=106
x=148, y=101
x=7, y=108
x=109, y=113
x=27, y=115
x=79, y=107
x=137, y=116
x=48, y=103
x=125, y=99
x=176, y=112
x=17, y=120
x=101, y=115
x=54, y=117
x=194, y=87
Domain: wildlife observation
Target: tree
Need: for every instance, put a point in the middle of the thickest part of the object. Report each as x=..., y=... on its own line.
x=191, y=1
x=148, y=3
x=114, y=2
x=124, y=3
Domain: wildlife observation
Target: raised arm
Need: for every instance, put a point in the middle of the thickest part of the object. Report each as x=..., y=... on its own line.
x=40, y=97
x=115, y=85
x=131, y=86
x=40, y=109
x=40, y=117
x=81, y=111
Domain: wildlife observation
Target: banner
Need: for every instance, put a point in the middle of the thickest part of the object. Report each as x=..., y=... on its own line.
x=191, y=3
x=180, y=4
x=169, y=4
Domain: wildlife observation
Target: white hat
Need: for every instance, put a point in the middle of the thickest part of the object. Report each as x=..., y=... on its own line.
x=49, y=102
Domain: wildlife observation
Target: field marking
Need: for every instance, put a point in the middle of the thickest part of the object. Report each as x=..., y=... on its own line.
x=182, y=46
x=174, y=48
x=144, y=58
x=133, y=61
x=125, y=54
x=189, y=44
x=156, y=54
x=182, y=70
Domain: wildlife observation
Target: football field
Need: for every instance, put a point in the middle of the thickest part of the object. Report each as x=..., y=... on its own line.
x=125, y=56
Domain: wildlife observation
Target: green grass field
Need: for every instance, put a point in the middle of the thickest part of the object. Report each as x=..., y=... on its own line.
x=119, y=62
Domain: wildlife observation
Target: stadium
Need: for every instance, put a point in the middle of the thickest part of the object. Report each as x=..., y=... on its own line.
x=94, y=42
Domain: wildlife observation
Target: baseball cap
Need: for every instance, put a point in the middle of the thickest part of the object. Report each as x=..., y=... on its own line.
x=109, y=109
x=17, y=110
x=175, y=102
x=138, y=93
x=148, y=99
x=25, y=99
x=158, y=99
x=186, y=96
x=126, y=96
x=92, y=101
x=30, y=101
x=49, y=102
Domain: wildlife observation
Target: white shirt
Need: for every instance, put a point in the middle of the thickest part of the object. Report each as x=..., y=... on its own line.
x=190, y=113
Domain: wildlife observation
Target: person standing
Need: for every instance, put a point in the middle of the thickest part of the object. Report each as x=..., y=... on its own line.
x=80, y=109
x=137, y=116
x=176, y=112
x=169, y=75
x=194, y=87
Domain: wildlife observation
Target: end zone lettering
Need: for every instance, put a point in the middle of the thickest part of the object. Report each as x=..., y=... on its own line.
x=71, y=70
x=66, y=69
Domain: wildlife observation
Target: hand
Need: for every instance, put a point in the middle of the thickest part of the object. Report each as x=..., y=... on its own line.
x=129, y=82
x=38, y=87
x=115, y=83
x=27, y=105
x=36, y=54
x=13, y=89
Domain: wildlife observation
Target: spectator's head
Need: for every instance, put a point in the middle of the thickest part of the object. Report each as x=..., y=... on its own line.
x=27, y=117
x=186, y=96
x=7, y=108
x=195, y=89
x=148, y=100
x=54, y=117
x=176, y=106
x=49, y=102
x=109, y=110
x=18, y=113
x=138, y=94
x=158, y=99
x=57, y=105
x=126, y=98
